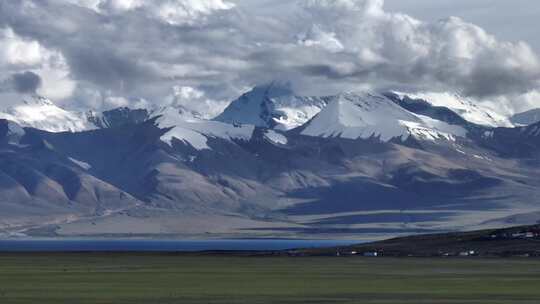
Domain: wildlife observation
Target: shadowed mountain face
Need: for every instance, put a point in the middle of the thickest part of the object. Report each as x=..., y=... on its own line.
x=118, y=117
x=526, y=118
x=41, y=184
x=124, y=179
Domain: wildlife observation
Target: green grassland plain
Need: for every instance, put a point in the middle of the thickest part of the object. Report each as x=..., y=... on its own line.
x=162, y=278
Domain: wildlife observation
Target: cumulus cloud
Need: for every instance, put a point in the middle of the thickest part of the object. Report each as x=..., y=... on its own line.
x=202, y=53
x=398, y=49
x=195, y=101
x=16, y=51
x=28, y=67
x=174, y=12
x=317, y=37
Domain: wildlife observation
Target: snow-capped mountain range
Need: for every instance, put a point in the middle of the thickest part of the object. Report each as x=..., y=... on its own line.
x=272, y=164
x=276, y=106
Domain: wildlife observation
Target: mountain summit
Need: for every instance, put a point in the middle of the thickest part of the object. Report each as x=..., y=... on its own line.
x=366, y=115
x=273, y=106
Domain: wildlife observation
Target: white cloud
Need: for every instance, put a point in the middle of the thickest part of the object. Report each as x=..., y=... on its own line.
x=451, y=53
x=195, y=101
x=19, y=55
x=16, y=51
x=342, y=7
x=91, y=4
x=138, y=50
x=57, y=82
x=515, y=103
x=319, y=38
x=174, y=12
x=185, y=11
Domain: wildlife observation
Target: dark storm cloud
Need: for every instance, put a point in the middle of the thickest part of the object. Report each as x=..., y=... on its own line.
x=26, y=82
x=107, y=69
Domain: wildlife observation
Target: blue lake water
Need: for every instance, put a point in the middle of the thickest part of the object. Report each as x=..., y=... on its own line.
x=104, y=245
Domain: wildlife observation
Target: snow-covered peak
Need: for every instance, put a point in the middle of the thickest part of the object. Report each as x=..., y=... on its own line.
x=41, y=113
x=195, y=131
x=366, y=115
x=468, y=109
x=272, y=106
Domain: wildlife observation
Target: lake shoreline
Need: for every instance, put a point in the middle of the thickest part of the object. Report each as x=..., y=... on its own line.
x=522, y=241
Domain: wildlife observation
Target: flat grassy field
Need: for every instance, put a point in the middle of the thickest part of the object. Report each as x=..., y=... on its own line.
x=152, y=279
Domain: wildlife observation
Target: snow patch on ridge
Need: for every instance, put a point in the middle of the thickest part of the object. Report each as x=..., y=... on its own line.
x=433, y=129
x=276, y=137
x=196, y=131
x=468, y=109
x=80, y=163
